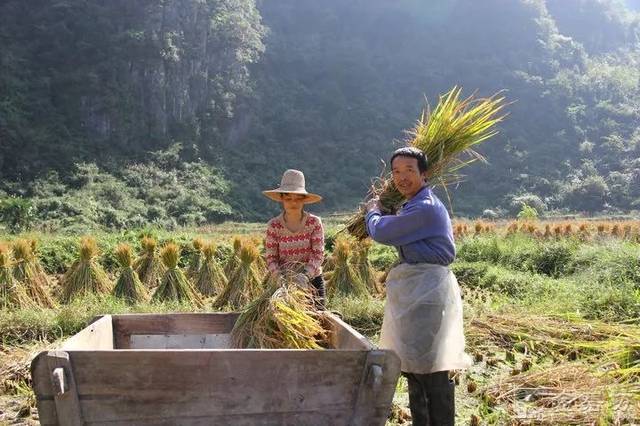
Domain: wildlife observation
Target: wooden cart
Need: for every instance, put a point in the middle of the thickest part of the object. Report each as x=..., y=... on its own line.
x=176, y=369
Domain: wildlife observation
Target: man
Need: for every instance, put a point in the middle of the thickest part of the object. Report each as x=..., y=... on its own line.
x=423, y=313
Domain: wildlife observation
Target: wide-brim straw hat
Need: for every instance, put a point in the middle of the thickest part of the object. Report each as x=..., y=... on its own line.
x=292, y=183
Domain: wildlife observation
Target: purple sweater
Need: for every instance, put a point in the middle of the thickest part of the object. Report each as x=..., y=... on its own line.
x=421, y=230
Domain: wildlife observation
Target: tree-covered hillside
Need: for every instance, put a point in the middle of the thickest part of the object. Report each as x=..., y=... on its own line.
x=248, y=89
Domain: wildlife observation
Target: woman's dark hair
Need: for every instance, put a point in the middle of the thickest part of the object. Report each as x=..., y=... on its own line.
x=413, y=153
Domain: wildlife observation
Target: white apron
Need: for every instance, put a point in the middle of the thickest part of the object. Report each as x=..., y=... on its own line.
x=423, y=319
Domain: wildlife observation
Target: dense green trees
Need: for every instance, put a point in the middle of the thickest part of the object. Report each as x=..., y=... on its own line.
x=250, y=88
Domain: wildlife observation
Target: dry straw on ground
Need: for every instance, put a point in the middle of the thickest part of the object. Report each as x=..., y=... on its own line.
x=588, y=372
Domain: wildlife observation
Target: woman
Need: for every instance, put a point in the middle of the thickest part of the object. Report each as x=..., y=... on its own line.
x=295, y=238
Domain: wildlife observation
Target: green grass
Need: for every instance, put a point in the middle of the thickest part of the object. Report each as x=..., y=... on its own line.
x=569, y=278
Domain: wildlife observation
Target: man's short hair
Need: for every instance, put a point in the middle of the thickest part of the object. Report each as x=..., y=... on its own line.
x=412, y=152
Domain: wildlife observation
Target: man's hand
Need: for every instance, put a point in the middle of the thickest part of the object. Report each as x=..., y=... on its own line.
x=372, y=204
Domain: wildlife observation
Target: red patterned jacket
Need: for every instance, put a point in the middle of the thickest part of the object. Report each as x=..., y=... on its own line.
x=287, y=249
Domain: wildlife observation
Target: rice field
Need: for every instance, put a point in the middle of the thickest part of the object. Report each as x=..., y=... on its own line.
x=552, y=307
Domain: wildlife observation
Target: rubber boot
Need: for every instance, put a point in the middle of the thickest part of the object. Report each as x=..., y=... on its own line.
x=417, y=400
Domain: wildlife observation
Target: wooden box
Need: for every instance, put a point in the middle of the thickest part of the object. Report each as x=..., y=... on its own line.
x=177, y=369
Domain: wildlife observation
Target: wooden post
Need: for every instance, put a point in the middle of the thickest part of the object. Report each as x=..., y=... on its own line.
x=364, y=412
x=64, y=387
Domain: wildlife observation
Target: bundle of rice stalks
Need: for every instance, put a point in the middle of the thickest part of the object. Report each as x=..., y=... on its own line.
x=245, y=282
x=282, y=317
x=12, y=294
x=148, y=266
x=128, y=286
x=234, y=259
x=569, y=393
x=364, y=267
x=28, y=271
x=344, y=278
x=174, y=284
x=211, y=279
x=85, y=276
x=447, y=135
x=196, y=258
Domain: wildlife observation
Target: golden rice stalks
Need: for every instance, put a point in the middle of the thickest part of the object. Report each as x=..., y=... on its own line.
x=210, y=280
x=282, y=317
x=85, y=276
x=556, y=337
x=234, y=259
x=447, y=135
x=12, y=294
x=30, y=274
x=128, y=287
x=174, y=285
x=344, y=278
x=148, y=266
x=196, y=258
x=364, y=267
x=245, y=282
x=569, y=393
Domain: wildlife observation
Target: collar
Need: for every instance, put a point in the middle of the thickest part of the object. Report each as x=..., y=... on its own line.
x=423, y=193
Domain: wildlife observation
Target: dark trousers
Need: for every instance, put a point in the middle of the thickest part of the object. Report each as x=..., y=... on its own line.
x=431, y=399
x=319, y=292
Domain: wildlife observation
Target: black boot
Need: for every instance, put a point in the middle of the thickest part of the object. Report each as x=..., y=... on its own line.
x=417, y=400
x=441, y=399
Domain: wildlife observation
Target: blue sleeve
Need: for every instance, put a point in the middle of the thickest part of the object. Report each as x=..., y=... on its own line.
x=417, y=222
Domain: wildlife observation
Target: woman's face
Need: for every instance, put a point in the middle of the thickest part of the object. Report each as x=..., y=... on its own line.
x=292, y=202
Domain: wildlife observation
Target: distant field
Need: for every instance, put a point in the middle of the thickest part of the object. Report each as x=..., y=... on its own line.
x=552, y=316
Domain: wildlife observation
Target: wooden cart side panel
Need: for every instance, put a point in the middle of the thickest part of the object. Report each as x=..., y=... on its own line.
x=96, y=336
x=172, y=324
x=135, y=387
x=378, y=384
x=326, y=418
x=343, y=336
x=43, y=389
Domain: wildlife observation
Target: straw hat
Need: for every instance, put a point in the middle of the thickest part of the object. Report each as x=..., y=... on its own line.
x=292, y=183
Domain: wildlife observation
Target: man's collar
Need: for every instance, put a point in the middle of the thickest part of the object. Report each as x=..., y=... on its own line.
x=424, y=188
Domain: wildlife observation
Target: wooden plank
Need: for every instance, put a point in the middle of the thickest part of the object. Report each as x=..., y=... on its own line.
x=44, y=392
x=342, y=336
x=139, y=386
x=64, y=387
x=180, y=341
x=98, y=335
x=187, y=323
x=378, y=383
x=331, y=418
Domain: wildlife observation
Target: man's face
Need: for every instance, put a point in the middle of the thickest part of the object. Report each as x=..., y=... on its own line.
x=407, y=176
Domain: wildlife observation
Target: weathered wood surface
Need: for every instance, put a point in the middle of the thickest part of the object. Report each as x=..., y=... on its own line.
x=352, y=385
x=64, y=387
x=148, y=324
x=96, y=336
x=342, y=336
x=180, y=341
